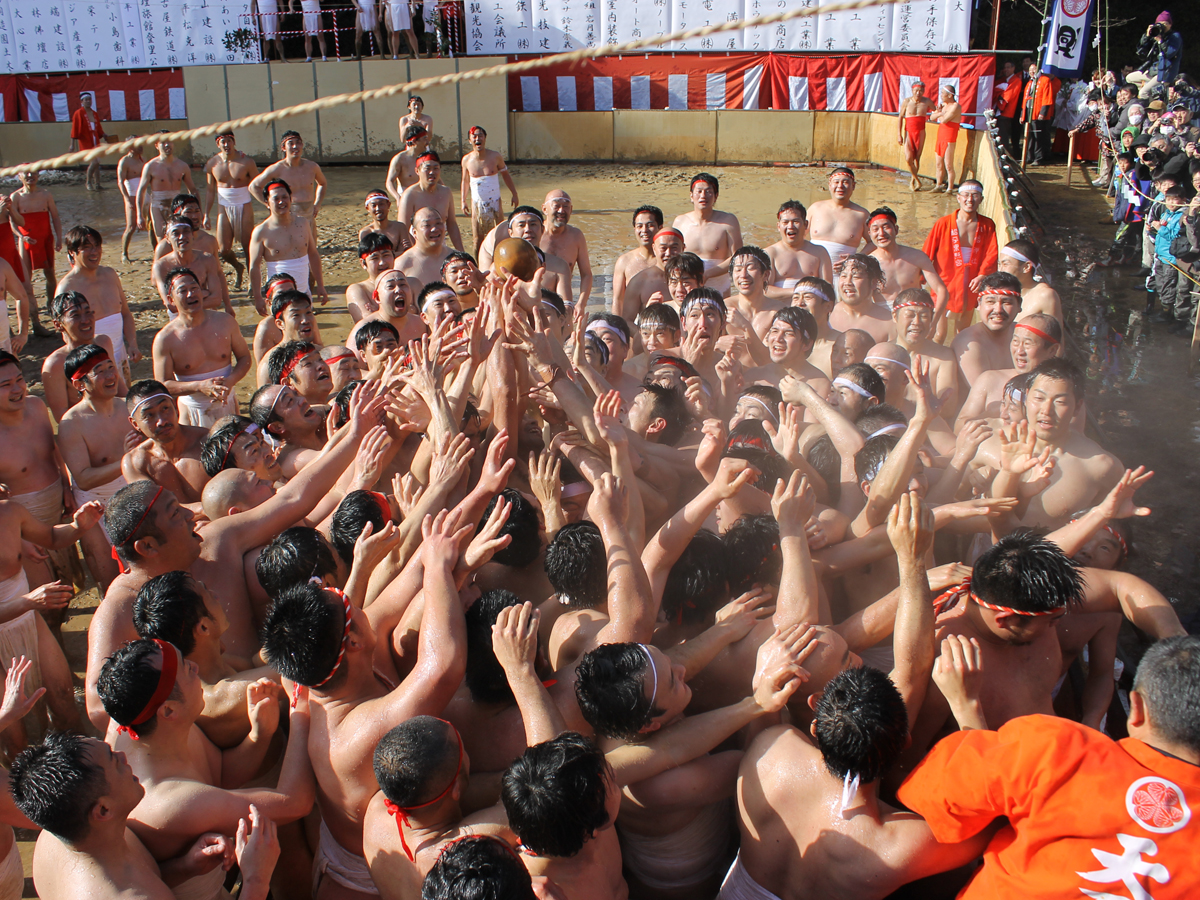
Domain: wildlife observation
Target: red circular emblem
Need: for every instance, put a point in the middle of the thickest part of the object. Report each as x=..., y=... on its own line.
x=1073, y=9
x=1157, y=805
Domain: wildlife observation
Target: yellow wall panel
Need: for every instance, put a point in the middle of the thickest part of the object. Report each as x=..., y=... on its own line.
x=755, y=136
x=484, y=102
x=342, y=136
x=383, y=116
x=293, y=83
x=441, y=103
x=563, y=135
x=249, y=93
x=654, y=136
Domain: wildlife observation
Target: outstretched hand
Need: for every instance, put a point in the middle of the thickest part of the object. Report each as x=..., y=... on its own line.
x=779, y=670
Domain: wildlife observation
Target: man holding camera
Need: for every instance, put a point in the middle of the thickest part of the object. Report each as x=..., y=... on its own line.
x=1161, y=49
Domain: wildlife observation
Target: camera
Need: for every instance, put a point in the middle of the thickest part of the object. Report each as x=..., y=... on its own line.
x=1158, y=29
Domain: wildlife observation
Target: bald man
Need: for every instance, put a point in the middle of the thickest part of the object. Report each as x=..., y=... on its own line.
x=565, y=241
x=423, y=261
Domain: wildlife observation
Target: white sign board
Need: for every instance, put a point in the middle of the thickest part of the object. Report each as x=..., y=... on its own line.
x=94, y=35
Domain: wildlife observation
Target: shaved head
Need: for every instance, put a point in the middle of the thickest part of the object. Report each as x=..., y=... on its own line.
x=224, y=491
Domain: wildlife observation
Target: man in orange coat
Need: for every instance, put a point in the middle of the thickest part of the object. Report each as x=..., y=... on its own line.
x=963, y=247
x=1038, y=105
x=1085, y=815
x=86, y=133
x=1007, y=102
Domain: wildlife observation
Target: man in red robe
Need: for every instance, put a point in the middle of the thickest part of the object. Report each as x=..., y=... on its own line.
x=963, y=247
x=86, y=133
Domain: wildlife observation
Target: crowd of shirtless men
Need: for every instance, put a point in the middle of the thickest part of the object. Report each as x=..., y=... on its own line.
x=793, y=574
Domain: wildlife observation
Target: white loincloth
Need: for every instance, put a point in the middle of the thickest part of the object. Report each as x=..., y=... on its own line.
x=113, y=327
x=485, y=195
x=966, y=255
x=297, y=268
x=46, y=504
x=788, y=284
x=12, y=875
x=19, y=636
x=11, y=589
x=367, y=18
x=738, y=885
x=161, y=201
x=232, y=201
x=345, y=868
x=203, y=887
x=681, y=858
x=202, y=410
x=131, y=187
x=400, y=18
x=312, y=15
x=268, y=20
x=719, y=283
x=103, y=493
x=837, y=252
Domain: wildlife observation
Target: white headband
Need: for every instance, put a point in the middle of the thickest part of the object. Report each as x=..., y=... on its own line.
x=653, y=672
x=437, y=295
x=847, y=383
x=763, y=404
x=601, y=326
x=550, y=306
x=144, y=400
x=1013, y=254
x=888, y=429
x=282, y=388
x=970, y=188
x=887, y=359
x=810, y=289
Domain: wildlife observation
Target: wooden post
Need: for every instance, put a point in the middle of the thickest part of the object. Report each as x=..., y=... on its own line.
x=995, y=28
x=1070, y=158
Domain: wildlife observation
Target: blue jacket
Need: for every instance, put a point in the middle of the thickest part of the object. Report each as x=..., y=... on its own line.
x=1169, y=225
x=1169, y=53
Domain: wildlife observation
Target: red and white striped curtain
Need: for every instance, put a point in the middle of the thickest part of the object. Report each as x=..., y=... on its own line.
x=116, y=97
x=871, y=82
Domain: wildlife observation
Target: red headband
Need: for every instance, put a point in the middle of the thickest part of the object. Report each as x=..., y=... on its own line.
x=884, y=216
x=429, y=155
x=275, y=286
x=337, y=663
x=474, y=128
x=166, y=684
x=1002, y=292
x=384, y=506
x=83, y=371
x=947, y=600
x=674, y=231
x=927, y=303
x=278, y=182
x=1117, y=536
x=291, y=364
x=149, y=506
x=401, y=812
x=1037, y=331
x=283, y=308
x=249, y=429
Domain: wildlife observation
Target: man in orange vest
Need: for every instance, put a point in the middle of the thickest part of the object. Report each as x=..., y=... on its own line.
x=1038, y=104
x=1007, y=102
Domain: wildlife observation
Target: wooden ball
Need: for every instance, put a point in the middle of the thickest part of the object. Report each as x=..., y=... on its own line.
x=518, y=257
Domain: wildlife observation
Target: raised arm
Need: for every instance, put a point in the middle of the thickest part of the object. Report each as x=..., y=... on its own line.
x=910, y=529
x=1117, y=505
x=799, y=592
x=515, y=642
x=631, y=607
x=1107, y=590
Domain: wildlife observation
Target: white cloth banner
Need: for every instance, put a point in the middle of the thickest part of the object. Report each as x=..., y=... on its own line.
x=90, y=35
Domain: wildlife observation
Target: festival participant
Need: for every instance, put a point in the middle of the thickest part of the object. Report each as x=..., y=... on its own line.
x=437, y=301
x=304, y=179
x=988, y=343
x=482, y=170
x=298, y=364
x=87, y=133
x=398, y=19
x=312, y=25
x=658, y=326
x=402, y=171
x=129, y=178
x=236, y=442
x=170, y=454
x=647, y=221
x=460, y=272
x=355, y=709
x=911, y=117
x=394, y=294
x=377, y=345
x=528, y=223
x=1022, y=258
x=948, y=115
x=267, y=13
x=293, y=316
x=811, y=821
x=416, y=117
x=817, y=296
x=905, y=267
x=1035, y=338
x=376, y=256
x=268, y=333
x=1080, y=811
x=423, y=261
x=344, y=367
x=913, y=309
x=72, y=317
x=1083, y=472
x=1007, y=102
x=102, y=287
x=850, y=347
x=565, y=241
x=199, y=356
x=291, y=422
x=859, y=280
x=711, y=234
x=81, y=794
x=188, y=206
x=617, y=338
x=152, y=533
x=837, y=224
x=789, y=341
x=214, y=289
x=703, y=317
x=378, y=206
x=228, y=175
x=750, y=269
x=429, y=193
x=684, y=274
x=963, y=247
x=19, y=700
x=1037, y=108
x=10, y=223
x=666, y=244
x=192, y=787
x=162, y=178
x=92, y=438
x=794, y=256
x=11, y=284
x=41, y=237
x=286, y=243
